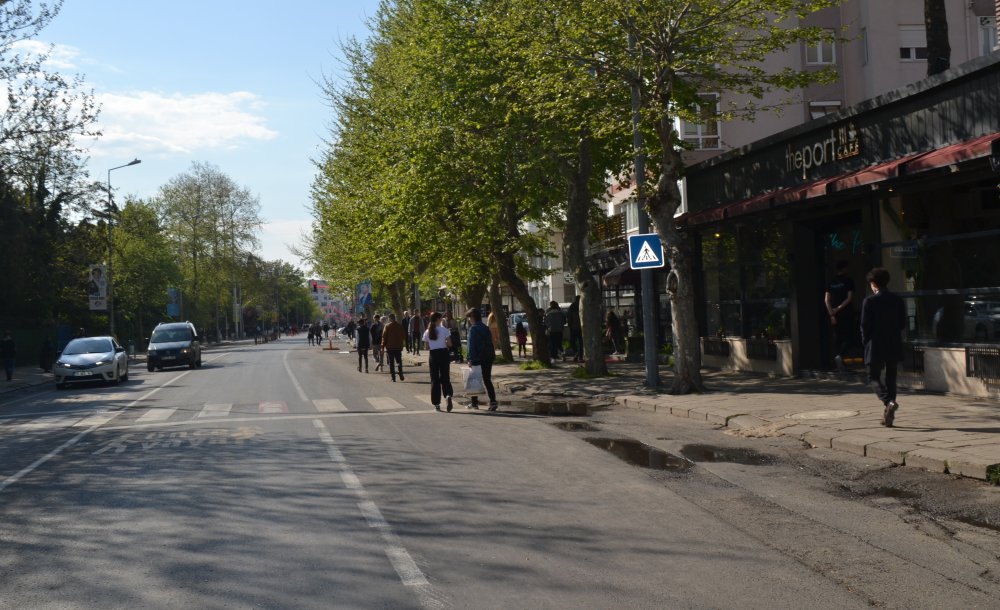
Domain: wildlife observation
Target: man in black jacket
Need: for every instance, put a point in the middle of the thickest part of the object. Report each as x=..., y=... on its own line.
x=883, y=318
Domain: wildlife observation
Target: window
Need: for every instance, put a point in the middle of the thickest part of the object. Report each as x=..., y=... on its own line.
x=821, y=109
x=704, y=135
x=987, y=35
x=823, y=52
x=631, y=210
x=912, y=43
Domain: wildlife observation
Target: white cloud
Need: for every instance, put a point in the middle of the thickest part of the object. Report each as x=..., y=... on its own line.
x=152, y=123
x=60, y=56
x=277, y=236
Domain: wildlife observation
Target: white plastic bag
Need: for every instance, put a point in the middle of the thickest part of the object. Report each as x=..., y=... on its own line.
x=472, y=379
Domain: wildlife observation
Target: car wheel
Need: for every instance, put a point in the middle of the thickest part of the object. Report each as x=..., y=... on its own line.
x=118, y=377
x=150, y=367
x=60, y=385
x=125, y=376
x=199, y=361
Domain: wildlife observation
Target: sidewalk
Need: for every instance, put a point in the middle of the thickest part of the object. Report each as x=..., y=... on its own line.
x=948, y=434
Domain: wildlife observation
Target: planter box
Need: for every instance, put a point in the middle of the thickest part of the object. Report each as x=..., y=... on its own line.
x=761, y=356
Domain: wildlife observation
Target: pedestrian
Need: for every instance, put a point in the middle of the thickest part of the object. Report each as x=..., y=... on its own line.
x=493, y=325
x=311, y=333
x=349, y=331
x=555, y=319
x=613, y=329
x=521, y=334
x=456, y=336
x=326, y=330
x=45, y=356
x=575, y=329
x=839, y=299
x=883, y=318
x=416, y=331
x=393, y=340
x=376, y=331
x=364, y=342
x=438, y=340
x=405, y=322
x=481, y=352
x=8, y=351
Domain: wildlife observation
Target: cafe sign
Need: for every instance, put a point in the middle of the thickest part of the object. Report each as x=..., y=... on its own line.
x=842, y=143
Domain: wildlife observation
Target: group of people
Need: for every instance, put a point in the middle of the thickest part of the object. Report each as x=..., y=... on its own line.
x=385, y=338
x=318, y=332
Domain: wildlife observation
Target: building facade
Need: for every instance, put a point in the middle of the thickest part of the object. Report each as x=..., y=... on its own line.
x=910, y=181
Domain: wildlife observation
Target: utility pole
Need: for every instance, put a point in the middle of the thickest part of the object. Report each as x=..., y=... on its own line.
x=649, y=322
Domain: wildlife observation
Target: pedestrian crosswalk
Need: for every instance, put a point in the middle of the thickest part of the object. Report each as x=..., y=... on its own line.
x=146, y=416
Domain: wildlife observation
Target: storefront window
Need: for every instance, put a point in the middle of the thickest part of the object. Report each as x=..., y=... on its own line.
x=942, y=259
x=720, y=262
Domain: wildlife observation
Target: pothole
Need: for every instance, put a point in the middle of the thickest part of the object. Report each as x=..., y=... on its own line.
x=733, y=455
x=641, y=454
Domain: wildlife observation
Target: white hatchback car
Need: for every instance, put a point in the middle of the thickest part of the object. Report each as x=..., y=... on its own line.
x=91, y=359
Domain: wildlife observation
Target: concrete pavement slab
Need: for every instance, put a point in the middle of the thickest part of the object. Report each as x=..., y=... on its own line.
x=973, y=465
x=935, y=460
x=892, y=451
x=852, y=443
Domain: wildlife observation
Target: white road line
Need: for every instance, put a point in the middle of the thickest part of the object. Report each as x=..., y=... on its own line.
x=425, y=398
x=329, y=405
x=407, y=570
x=14, y=478
x=215, y=410
x=97, y=419
x=49, y=423
x=295, y=382
x=155, y=415
x=273, y=406
x=383, y=403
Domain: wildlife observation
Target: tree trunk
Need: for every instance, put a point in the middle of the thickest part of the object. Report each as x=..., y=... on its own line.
x=662, y=205
x=938, y=47
x=496, y=306
x=575, y=241
x=507, y=271
x=397, y=294
x=472, y=296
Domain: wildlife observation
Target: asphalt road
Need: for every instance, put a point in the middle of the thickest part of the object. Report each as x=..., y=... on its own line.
x=277, y=476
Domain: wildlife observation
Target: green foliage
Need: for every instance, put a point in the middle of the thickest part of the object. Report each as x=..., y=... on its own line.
x=534, y=365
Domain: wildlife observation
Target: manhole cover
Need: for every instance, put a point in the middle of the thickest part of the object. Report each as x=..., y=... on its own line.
x=822, y=415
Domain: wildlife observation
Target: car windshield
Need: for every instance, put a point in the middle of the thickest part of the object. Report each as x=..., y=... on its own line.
x=171, y=335
x=88, y=346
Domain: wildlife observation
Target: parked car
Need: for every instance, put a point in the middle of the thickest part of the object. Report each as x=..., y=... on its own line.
x=91, y=359
x=513, y=318
x=173, y=344
x=982, y=320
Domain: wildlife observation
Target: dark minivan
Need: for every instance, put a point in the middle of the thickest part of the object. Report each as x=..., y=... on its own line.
x=173, y=344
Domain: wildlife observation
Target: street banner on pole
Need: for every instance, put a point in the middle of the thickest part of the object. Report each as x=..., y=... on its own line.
x=98, y=289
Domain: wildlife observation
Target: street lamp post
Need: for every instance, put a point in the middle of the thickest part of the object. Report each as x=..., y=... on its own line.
x=111, y=216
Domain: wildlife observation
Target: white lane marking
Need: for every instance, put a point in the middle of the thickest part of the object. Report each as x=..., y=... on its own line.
x=295, y=382
x=155, y=415
x=329, y=405
x=273, y=406
x=425, y=398
x=274, y=418
x=383, y=403
x=49, y=423
x=407, y=570
x=17, y=476
x=215, y=410
x=96, y=419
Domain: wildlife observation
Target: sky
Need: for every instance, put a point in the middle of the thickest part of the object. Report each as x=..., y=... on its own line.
x=234, y=84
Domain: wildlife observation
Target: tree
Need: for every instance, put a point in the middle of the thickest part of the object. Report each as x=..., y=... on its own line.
x=938, y=47
x=144, y=267
x=684, y=48
x=211, y=223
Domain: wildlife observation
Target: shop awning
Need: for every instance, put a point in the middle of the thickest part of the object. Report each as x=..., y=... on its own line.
x=622, y=275
x=874, y=173
x=956, y=153
x=984, y=146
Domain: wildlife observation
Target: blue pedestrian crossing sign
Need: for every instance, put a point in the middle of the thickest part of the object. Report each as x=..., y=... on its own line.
x=645, y=251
